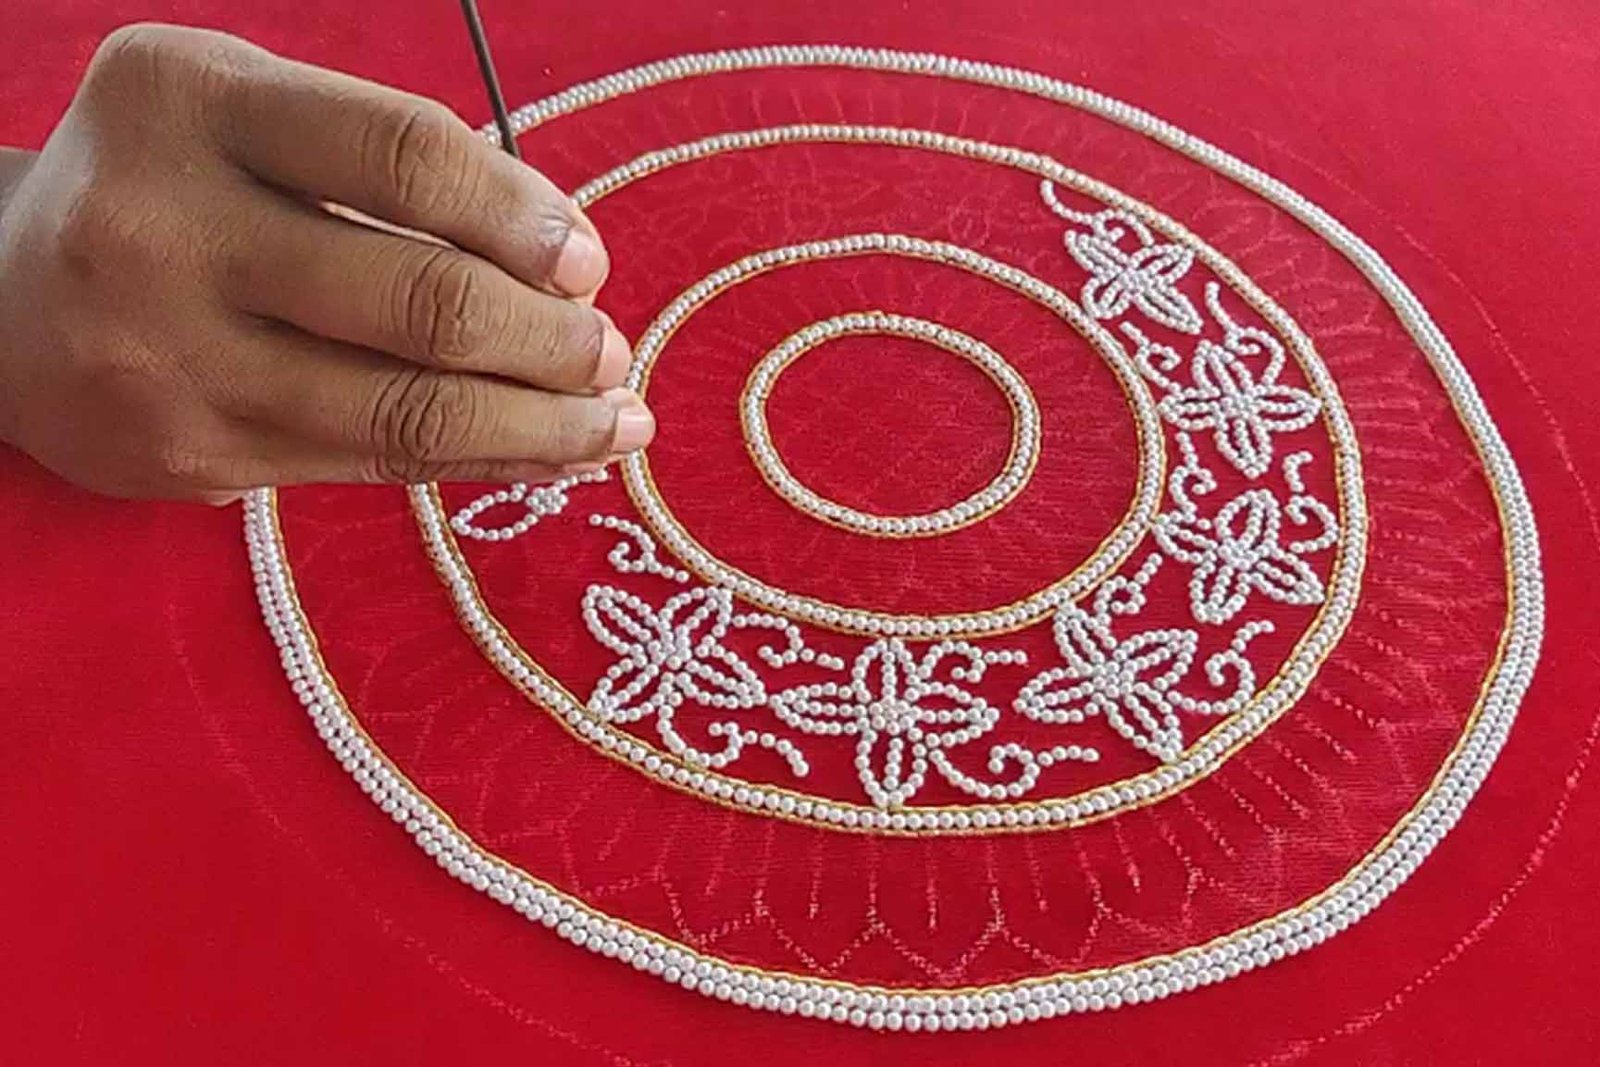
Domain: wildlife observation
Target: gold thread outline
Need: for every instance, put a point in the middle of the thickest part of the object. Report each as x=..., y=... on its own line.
x=867, y=330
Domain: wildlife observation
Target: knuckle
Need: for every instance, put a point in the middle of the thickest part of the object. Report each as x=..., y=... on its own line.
x=422, y=419
x=418, y=152
x=90, y=223
x=450, y=314
x=129, y=61
x=101, y=233
x=156, y=57
x=581, y=430
x=134, y=44
x=568, y=338
x=181, y=461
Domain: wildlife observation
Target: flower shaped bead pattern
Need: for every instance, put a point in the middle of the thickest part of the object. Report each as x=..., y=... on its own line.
x=899, y=712
x=1144, y=274
x=1239, y=552
x=1131, y=682
x=1242, y=408
x=667, y=655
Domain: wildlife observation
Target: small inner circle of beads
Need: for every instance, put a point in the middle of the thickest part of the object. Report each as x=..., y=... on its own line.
x=1001, y=489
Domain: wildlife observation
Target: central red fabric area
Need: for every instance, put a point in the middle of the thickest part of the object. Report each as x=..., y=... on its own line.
x=932, y=426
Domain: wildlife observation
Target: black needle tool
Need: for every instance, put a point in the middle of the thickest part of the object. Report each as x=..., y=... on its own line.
x=491, y=82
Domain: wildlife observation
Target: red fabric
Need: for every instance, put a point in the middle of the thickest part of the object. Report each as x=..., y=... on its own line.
x=193, y=878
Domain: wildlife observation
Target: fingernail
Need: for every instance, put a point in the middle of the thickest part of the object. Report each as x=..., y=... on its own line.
x=581, y=266
x=635, y=425
x=615, y=357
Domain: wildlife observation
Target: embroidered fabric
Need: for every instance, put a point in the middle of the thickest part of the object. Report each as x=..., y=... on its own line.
x=169, y=814
x=807, y=709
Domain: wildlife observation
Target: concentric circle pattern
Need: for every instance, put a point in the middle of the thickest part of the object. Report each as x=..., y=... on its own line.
x=1053, y=588
x=993, y=496
x=652, y=505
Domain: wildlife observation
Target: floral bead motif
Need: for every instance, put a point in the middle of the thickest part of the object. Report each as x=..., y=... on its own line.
x=1127, y=266
x=1239, y=551
x=1132, y=682
x=897, y=710
x=1242, y=407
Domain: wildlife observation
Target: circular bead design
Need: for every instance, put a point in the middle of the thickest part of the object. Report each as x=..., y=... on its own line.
x=1001, y=489
x=858, y=620
x=1326, y=914
x=1204, y=756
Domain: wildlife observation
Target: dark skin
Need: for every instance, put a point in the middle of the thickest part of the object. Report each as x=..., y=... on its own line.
x=202, y=292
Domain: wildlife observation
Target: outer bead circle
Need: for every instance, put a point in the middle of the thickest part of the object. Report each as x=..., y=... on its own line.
x=1277, y=937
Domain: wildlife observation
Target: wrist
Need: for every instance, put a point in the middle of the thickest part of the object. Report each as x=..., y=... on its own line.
x=14, y=165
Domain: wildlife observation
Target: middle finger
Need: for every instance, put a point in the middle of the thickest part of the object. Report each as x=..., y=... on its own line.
x=428, y=303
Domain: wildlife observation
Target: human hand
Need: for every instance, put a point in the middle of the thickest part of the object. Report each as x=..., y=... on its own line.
x=181, y=317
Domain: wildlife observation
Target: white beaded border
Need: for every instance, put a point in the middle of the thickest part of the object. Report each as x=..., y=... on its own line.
x=1372, y=879
x=1003, y=487
x=1092, y=804
x=1107, y=556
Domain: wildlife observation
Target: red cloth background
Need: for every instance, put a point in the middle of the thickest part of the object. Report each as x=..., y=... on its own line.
x=191, y=879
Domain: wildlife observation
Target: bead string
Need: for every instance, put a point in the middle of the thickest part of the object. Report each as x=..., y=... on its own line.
x=985, y=502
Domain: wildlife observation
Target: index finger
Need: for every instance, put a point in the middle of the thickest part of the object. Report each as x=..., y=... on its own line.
x=409, y=160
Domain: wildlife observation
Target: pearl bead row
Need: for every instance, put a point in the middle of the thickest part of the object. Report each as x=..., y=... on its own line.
x=541, y=502
x=635, y=468
x=877, y=1008
x=1001, y=489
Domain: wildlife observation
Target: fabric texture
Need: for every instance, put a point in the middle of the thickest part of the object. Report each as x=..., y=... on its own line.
x=194, y=878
